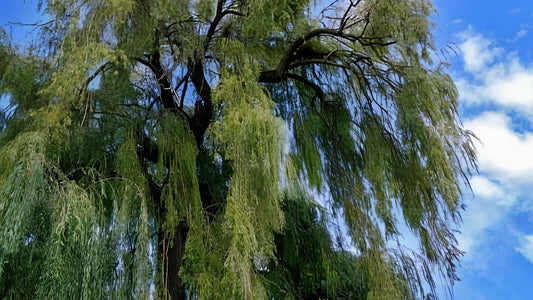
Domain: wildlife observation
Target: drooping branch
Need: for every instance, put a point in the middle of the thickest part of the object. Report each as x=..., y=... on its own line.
x=297, y=56
x=85, y=85
x=104, y=67
x=292, y=55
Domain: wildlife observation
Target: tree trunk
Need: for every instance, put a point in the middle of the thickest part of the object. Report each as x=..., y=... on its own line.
x=170, y=259
x=170, y=253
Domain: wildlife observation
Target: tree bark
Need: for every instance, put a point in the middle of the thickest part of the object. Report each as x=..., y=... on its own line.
x=170, y=252
x=171, y=256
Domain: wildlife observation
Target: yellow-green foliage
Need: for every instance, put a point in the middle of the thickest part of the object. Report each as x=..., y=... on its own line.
x=390, y=19
x=115, y=139
x=253, y=141
x=181, y=195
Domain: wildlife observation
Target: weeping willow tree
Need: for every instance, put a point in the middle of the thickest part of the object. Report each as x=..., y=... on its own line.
x=176, y=149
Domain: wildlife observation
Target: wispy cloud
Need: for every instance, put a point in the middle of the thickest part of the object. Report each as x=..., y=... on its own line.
x=518, y=35
x=486, y=214
x=526, y=247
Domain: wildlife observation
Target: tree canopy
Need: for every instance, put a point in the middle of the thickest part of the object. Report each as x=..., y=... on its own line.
x=205, y=148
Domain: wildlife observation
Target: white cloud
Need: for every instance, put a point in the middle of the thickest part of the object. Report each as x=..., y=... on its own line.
x=496, y=78
x=478, y=52
x=491, y=205
x=494, y=75
x=494, y=192
x=502, y=152
x=526, y=247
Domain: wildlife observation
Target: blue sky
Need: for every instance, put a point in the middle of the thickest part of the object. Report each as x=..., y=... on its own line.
x=493, y=70
x=492, y=65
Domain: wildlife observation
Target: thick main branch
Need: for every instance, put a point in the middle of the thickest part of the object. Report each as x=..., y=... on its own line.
x=203, y=110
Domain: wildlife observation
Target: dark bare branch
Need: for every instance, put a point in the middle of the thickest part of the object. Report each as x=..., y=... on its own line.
x=220, y=14
x=203, y=110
